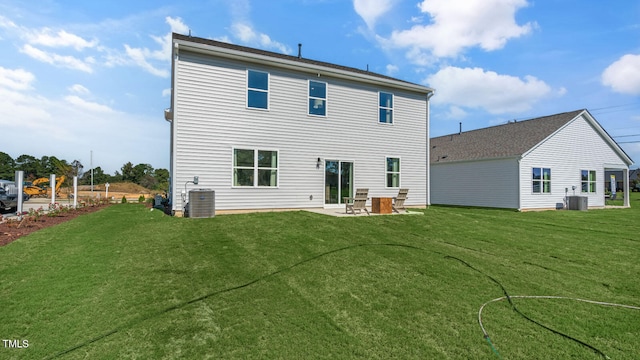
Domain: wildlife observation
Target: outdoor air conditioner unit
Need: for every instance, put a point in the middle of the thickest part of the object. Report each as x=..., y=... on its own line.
x=577, y=203
x=202, y=203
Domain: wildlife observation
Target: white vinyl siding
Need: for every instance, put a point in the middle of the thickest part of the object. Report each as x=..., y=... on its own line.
x=573, y=148
x=211, y=119
x=488, y=183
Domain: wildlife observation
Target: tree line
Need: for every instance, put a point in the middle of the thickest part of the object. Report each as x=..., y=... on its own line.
x=34, y=168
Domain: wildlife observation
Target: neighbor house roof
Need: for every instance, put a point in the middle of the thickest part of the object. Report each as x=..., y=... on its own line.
x=288, y=61
x=508, y=140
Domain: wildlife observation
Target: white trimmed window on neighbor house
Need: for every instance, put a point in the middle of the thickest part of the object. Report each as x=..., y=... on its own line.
x=393, y=172
x=385, y=106
x=541, y=180
x=588, y=180
x=255, y=168
x=257, y=89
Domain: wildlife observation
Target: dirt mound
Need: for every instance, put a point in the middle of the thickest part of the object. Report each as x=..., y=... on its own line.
x=121, y=187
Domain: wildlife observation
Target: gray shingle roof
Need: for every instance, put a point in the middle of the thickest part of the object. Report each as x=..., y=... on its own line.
x=286, y=57
x=508, y=140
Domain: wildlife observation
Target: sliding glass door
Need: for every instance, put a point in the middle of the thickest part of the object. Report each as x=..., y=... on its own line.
x=338, y=181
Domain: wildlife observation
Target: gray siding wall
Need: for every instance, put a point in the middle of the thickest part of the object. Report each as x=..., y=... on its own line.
x=488, y=183
x=573, y=148
x=211, y=118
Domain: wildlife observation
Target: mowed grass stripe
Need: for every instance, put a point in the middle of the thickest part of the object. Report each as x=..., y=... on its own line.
x=122, y=267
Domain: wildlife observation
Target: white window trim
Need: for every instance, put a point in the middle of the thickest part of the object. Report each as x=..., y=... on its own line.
x=326, y=98
x=393, y=100
x=268, y=91
x=542, y=181
x=392, y=172
x=255, y=168
x=589, y=181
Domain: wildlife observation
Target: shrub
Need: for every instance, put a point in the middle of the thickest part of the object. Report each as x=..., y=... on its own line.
x=124, y=200
x=141, y=199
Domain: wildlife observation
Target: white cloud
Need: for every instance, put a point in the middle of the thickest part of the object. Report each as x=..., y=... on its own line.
x=87, y=105
x=139, y=57
x=371, y=10
x=247, y=35
x=166, y=92
x=392, y=69
x=477, y=88
x=18, y=79
x=65, y=61
x=456, y=113
x=623, y=75
x=78, y=89
x=62, y=38
x=6, y=23
x=460, y=24
x=70, y=127
x=143, y=57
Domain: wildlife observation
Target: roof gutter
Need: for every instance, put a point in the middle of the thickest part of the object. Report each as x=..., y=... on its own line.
x=319, y=70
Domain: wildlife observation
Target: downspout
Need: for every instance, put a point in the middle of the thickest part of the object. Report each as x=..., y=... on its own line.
x=170, y=117
x=519, y=188
x=429, y=95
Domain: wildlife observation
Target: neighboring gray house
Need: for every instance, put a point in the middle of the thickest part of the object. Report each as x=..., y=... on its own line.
x=526, y=165
x=266, y=130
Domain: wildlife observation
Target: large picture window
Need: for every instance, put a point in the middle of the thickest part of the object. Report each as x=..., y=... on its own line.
x=255, y=168
x=541, y=180
x=385, y=106
x=588, y=179
x=393, y=172
x=317, y=98
x=257, y=89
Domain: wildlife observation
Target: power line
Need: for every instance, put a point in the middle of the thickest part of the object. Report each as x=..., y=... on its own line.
x=614, y=106
x=619, y=136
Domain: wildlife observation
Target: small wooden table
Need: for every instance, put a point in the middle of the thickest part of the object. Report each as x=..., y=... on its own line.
x=381, y=205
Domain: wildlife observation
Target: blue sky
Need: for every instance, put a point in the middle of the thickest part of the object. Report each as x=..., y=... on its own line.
x=82, y=76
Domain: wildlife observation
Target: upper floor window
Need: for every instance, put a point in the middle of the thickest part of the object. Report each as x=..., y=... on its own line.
x=385, y=106
x=317, y=98
x=588, y=179
x=257, y=89
x=541, y=180
x=255, y=168
x=393, y=172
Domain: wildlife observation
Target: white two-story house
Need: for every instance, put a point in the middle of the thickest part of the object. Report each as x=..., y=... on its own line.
x=271, y=131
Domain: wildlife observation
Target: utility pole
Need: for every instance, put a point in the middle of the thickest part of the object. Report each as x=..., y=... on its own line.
x=91, y=164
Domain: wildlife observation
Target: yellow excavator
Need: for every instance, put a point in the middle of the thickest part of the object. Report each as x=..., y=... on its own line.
x=34, y=189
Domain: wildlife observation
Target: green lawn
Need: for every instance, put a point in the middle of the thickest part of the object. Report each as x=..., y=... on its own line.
x=127, y=282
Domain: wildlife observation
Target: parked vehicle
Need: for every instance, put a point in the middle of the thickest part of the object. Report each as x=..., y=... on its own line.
x=10, y=187
x=7, y=201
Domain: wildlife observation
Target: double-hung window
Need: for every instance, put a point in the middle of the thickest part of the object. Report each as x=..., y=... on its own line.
x=253, y=168
x=257, y=89
x=317, y=98
x=385, y=107
x=541, y=180
x=393, y=172
x=588, y=180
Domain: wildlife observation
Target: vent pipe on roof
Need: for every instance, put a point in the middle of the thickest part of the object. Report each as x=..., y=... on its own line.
x=299, y=50
x=460, y=131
